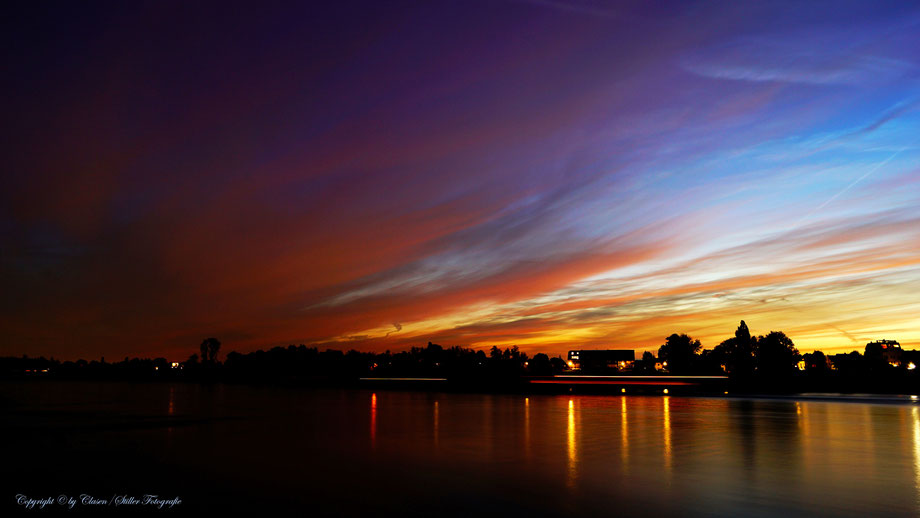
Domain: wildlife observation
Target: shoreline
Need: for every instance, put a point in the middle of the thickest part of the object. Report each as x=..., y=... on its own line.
x=442, y=385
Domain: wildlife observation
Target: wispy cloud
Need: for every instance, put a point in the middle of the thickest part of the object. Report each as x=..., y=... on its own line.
x=544, y=173
x=815, y=57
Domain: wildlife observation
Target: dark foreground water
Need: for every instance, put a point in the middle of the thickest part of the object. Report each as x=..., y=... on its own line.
x=430, y=454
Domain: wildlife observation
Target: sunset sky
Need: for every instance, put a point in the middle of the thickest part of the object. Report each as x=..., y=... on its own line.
x=551, y=174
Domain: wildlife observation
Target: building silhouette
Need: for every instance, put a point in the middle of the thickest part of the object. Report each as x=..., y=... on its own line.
x=602, y=360
x=887, y=350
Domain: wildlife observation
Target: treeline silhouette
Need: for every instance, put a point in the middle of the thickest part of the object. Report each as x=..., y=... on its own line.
x=433, y=361
x=766, y=363
x=772, y=363
x=306, y=364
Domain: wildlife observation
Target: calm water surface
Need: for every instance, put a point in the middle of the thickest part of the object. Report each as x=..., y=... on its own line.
x=398, y=453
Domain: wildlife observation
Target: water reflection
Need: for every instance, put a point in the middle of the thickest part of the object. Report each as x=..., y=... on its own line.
x=915, y=415
x=488, y=438
x=804, y=433
x=436, y=431
x=744, y=417
x=572, y=448
x=666, y=402
x=373, y=420
x=171, y=411
x=527, y=449
x=675, y=456
x=624, y=433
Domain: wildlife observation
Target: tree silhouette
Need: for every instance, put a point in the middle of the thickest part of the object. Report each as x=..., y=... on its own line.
x=540, y=365
x=681, y=352
x=744, y=350
x=815, y=362
x=737, y=353
x=776, y=355
x=209, y=349
x=645, y=365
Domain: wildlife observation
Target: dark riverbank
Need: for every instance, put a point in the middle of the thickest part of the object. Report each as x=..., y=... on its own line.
x=741, y=365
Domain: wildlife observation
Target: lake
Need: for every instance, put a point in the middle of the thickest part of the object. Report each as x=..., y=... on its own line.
x=355, y=452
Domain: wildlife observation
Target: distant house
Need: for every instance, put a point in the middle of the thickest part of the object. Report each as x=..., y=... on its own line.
x=600, y=360
x=888, y=350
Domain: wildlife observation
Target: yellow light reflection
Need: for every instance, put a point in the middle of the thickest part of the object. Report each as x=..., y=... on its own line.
x=373, y=420
x=667, y=434
x=527, y=427
x=624, y=432
x=573, y=453
x=915, y=413
x=435, y=424
x=801, y=411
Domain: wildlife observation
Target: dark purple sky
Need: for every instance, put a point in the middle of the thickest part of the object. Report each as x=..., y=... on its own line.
x=379, y=174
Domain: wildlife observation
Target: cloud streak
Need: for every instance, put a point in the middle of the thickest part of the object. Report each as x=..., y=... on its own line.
x=477, y=174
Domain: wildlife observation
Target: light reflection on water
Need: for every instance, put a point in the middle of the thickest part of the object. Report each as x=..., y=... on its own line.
x=915, y=415
x=435, y=424
x=541, y=455
x=528, y=452
x=666, y=428
x=373, y=420
x=572, y=447
x=624, y=433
